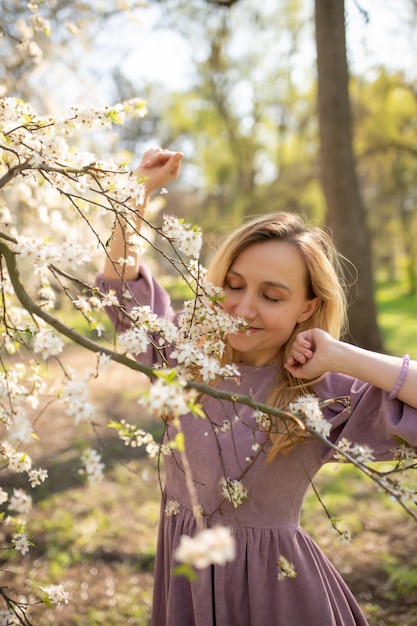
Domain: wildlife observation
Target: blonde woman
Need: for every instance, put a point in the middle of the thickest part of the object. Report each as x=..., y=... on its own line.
x=283, y=279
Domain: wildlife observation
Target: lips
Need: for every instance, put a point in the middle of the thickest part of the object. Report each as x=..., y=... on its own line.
x=248, y=330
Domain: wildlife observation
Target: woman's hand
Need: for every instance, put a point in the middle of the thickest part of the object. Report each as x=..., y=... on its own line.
x=158, y=168
x=314, y=352
x=309, y=354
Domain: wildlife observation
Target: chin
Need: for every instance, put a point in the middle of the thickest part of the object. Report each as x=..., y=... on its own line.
x=239, y=346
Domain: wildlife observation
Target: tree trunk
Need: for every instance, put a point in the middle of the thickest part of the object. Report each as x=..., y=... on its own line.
x=345, y=210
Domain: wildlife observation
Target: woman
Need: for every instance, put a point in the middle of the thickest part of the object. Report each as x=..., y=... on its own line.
x=250, y=472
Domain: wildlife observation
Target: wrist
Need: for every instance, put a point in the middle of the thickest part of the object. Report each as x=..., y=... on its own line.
x=336, y=356
x=138, y=210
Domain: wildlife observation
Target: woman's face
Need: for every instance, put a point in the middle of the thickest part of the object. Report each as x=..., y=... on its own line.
x=266, y=285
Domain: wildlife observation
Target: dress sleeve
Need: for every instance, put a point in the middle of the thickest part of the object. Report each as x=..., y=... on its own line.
x=145, y=290
x=372, y=419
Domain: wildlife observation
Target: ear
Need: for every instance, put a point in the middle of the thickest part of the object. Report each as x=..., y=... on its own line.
x=309, y=309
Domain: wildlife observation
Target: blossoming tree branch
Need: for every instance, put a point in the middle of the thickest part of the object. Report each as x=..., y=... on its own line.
x=56, y=185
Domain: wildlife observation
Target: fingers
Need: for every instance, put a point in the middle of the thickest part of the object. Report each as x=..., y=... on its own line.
x=301, y=349
x=155, y=157
x=301, y=352
x=309, y=354
x=298, y=367
x=177, y=158
x=159, y=167
x=292, y=366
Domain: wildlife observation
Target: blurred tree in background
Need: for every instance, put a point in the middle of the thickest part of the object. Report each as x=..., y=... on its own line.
x=247, y=117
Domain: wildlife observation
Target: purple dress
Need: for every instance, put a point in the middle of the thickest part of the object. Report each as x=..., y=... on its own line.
x=246, y=591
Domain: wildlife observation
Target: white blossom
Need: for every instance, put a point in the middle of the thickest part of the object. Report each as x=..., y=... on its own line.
x=146, y=321
x=152, y=450
x=209, y=368
x=21, y=542
x=56, y=593
x=405, y=454
x=285, y=568
x=210, y=546
x=43, y=253
x=226, y=426
x=18, y=461
x=109, y=298
x=37, y=477
x=189, y=238
x=8, y=618
x=134, y=340
x=93, y=467
x=234, y=491
x=262, y=419
x=345, y=537
x=20, y=427
x=172, y=507
x=168, y=330
x=22, y=319
x=185, y=352
x=20, y=502
x=104, y=361
x=136, y=437
x=82, y=304
x=6, y=215
x=408, y=496
x=47, y=295
x=75, y=394
x=30, y=49
x=47, y=343
x=309, y=408
x=168, y=397
x=362, y=453
x=3, y=496
x=343, y=534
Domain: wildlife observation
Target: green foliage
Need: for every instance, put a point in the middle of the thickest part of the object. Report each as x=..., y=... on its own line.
x=403, y=578
x=385, y=110
x=397, y=315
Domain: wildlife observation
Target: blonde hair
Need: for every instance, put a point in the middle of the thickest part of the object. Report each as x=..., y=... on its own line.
x=324, y=280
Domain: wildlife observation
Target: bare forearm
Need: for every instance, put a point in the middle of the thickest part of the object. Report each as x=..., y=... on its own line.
x=122, y=259
x=314, y=352
x=157, y=168
x=380, y=370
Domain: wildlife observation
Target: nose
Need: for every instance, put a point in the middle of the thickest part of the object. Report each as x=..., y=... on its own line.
x=246, y=307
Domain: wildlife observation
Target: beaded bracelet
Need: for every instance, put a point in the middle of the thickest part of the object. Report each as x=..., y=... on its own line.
x=401, y=377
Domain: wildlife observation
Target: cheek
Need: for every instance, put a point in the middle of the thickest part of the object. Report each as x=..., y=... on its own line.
x=228, y=303
x=278, y=319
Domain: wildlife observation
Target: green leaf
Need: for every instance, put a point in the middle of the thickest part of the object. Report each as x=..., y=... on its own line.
x=187, y=571
x=114, y=117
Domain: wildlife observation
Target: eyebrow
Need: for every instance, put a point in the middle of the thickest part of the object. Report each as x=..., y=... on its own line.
x=268, y=283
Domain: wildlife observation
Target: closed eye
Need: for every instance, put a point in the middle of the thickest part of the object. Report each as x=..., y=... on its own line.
x=264, y=295
x=232, y=287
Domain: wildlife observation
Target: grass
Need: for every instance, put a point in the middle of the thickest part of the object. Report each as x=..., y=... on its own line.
x=99, y=541
x=380, y=564
x=397, y=314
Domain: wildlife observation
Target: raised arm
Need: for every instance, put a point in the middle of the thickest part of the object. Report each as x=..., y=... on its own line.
x=314, y=352
x=159, y=168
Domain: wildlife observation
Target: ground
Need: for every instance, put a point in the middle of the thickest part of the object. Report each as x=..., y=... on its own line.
x=99, y=541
